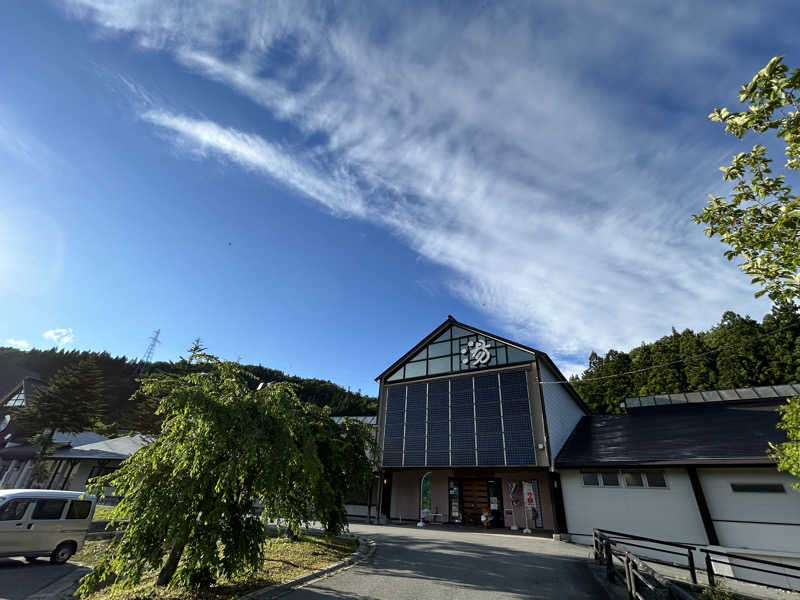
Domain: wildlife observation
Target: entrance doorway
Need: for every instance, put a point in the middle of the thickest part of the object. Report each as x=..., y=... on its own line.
x=468, y=497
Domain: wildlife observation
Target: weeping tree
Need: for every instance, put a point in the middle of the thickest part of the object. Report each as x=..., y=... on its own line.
x=224, y=445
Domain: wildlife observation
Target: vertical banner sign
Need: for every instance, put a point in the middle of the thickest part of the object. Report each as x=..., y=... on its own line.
x=533, y=506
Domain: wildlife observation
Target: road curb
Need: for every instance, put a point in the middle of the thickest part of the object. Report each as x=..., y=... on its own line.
x=366, y=548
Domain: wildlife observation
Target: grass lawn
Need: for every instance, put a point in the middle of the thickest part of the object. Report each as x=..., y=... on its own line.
x=285, y=560
x=101, y=512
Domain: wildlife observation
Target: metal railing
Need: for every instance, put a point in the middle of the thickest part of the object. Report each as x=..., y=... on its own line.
x=614, y=544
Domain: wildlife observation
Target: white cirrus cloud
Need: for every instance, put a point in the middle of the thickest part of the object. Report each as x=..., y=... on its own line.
x=18, y=344
x=549, y=155
x=60, y=337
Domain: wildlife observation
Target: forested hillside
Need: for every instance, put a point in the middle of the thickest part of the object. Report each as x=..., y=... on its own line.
x=737, y=352
x=119, y=379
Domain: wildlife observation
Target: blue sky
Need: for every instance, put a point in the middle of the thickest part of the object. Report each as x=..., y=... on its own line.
x=315, y=186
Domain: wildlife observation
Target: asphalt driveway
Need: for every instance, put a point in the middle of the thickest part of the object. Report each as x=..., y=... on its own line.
x=20, y=580
x=443, y=563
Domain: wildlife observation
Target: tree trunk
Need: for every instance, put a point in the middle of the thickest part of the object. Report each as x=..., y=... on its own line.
x=174, y=558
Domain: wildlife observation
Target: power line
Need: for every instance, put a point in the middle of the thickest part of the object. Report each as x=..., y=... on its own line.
x=674, y=362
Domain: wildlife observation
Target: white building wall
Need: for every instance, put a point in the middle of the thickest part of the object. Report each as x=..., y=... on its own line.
x=562, y=411
x=758, y=509
x=668, y=514
x=79, y=475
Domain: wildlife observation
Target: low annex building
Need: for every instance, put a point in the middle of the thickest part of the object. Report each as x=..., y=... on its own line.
x=77, y=456
x=690, y=468
x=468, y=426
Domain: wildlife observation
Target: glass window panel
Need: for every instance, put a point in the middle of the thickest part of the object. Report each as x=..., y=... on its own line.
x=458, y=332
x=396, y=375
x=517, y=355
x=415, y=369
x=655, y=479
x=444, y=336
x=633, y=479
x=762, y=488
x=79, y=509
x=440, y=349
x=590, y=478
x=421, y=356
x=610, y=479
x=439, y=365
x=501, y=355
x=13, y=510
x=48, y=509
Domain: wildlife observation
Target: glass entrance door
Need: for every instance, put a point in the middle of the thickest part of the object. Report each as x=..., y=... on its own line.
x=495, y=488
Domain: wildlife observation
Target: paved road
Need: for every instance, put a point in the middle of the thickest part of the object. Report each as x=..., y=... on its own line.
x=439, y=563
x=18, y=580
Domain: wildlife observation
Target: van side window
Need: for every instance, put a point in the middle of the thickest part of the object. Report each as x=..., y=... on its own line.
x=48, y=509
x=79, y=509
x=14, y=510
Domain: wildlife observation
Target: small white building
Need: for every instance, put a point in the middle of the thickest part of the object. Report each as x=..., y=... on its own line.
x=690, y=468
x=77, y=458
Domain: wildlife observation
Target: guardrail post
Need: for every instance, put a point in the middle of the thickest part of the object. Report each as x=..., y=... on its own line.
x=692, y=568
x=596, y=544
x=609, y=561
x=710, y=570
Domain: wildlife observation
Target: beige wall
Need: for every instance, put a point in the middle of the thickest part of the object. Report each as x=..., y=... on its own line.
x=668, y=514
x=727, y=506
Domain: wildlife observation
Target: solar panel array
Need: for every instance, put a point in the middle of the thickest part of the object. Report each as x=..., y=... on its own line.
x=481, y=420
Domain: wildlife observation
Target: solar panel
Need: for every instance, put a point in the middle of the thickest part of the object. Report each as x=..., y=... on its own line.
x=441, y=422
x=517, y=419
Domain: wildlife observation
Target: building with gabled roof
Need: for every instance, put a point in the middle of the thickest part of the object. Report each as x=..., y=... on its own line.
x=468, y=425
x=691, y=468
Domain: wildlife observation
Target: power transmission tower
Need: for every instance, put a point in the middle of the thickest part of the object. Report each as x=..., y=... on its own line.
x=144, y=363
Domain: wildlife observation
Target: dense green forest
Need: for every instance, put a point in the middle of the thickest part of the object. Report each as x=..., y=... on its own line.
x=737, y=352
x=120, y=374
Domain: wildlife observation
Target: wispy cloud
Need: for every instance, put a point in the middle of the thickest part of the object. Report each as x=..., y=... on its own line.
x=336, y=189
x=18, y=144
x=60, y=337
x=19, y=344
x=549, y=157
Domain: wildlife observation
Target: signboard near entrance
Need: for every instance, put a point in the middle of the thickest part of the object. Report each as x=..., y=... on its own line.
x=533, y=504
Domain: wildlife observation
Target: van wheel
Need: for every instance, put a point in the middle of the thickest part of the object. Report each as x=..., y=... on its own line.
x=62, y=553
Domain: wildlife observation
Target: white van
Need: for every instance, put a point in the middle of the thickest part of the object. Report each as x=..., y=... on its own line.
x=44, y=523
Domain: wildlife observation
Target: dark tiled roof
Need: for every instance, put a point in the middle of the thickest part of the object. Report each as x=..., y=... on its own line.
x=713, y=433
x=748, y=393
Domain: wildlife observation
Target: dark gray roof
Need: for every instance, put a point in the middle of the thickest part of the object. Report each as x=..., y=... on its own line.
x=736, y=432
x=748, y=393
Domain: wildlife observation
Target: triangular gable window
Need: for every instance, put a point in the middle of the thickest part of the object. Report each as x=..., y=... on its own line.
x=18, y=399
x=457, y=350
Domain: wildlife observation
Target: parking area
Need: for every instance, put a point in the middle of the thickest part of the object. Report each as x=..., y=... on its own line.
x=20, y=580
x=441, y=563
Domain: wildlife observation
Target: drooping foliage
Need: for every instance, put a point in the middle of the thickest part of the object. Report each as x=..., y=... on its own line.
x=737, y=352
x=224, y=448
